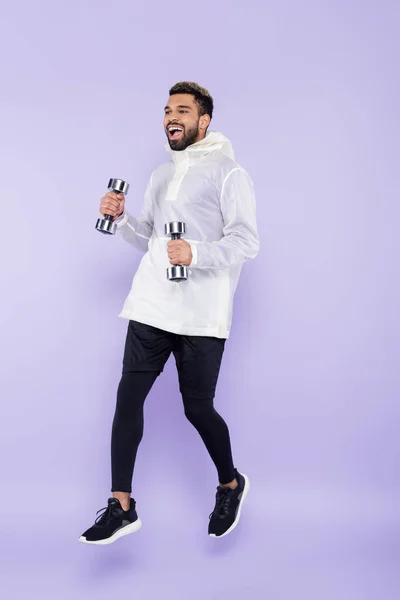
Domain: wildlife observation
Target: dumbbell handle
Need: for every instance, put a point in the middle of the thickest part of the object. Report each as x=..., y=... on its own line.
x=176, y=272
x=176, y=236
x=106, y=223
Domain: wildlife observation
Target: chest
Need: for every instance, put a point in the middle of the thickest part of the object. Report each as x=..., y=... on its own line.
x=193, y=186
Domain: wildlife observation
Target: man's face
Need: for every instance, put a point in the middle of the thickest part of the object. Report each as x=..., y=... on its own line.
x=182, y=123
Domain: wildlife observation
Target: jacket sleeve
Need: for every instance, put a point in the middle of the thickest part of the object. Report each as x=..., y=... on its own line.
x=138, y=231
x=240, y=241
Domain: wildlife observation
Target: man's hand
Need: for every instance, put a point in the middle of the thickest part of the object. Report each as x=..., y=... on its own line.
x=112, y=204
x=179, y=252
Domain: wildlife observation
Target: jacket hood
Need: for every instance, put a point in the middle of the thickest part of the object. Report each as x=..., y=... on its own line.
x=212, y=142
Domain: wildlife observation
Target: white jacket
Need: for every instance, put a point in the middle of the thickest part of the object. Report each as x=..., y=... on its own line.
x=205, y=188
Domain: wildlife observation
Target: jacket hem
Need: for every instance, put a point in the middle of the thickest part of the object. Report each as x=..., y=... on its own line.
x=175, y=327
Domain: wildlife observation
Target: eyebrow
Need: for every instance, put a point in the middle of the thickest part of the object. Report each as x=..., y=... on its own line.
x=180, y=106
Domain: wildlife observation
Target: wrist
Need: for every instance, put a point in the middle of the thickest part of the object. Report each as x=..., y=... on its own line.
x=122, y=219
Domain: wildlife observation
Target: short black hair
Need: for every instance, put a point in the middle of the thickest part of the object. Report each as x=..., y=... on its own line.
x=202, y=96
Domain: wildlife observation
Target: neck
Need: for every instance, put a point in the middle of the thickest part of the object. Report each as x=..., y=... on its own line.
x=201, y=136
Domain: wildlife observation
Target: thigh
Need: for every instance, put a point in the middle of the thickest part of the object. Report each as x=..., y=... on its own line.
x=146, y=348
x=198, y=360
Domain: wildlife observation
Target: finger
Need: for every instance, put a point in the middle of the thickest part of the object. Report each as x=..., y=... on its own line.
x=108, y=211
x=110, y=200
x=110, y=204
x=115, y=195
x=175, y=260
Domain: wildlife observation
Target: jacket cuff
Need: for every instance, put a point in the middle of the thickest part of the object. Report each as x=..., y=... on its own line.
x=122, y=219
x=193, y=248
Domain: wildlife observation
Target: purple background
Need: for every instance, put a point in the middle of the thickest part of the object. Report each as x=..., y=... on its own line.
x=308, y=92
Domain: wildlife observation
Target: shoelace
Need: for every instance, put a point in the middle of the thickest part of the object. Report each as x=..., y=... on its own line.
x=106, y=515
x=221, y=509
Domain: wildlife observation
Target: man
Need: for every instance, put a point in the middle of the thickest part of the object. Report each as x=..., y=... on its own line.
x=205, y=188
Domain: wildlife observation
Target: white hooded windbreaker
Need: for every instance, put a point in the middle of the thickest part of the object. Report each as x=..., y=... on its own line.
x=205, y=188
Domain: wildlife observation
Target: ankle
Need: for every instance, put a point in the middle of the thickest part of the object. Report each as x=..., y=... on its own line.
x=124, y=499
x=232, y=485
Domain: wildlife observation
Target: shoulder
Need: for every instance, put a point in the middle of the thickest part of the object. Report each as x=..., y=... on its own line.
x=230, y=170
x=229, y=165
x=222, y=168
x=224, y=162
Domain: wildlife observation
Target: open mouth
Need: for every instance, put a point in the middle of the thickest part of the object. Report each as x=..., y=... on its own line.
x=175, y=132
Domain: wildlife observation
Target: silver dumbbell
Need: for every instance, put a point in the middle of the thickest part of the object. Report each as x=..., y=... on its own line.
x=176, y=272
x=106, y=224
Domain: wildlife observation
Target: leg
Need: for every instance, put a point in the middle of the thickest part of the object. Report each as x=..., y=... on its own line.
x=198, y=361
x=127, y=430
x=146, y=352
x=215, y=434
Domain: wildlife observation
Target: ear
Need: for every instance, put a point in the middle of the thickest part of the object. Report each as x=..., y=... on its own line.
x=204, y=121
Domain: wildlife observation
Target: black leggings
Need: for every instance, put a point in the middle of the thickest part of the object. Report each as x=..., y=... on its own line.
x=198, y=362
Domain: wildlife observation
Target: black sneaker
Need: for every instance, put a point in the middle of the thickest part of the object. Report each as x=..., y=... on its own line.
x=112, y=524
x=228, y=506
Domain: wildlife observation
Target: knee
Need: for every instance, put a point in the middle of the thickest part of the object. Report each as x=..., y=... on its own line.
x=198, y=410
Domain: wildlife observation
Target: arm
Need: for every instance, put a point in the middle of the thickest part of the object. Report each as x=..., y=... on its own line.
x=240, y=241
x=138, y=231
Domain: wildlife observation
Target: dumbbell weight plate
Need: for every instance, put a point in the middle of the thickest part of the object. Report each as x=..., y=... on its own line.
x=177, y=273
x=106, y=226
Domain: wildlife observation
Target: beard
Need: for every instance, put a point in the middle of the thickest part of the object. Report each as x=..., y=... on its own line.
x=188, y=137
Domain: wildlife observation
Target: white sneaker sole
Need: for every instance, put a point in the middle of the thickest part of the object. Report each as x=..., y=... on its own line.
x=131, y=528
x=236, y=521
